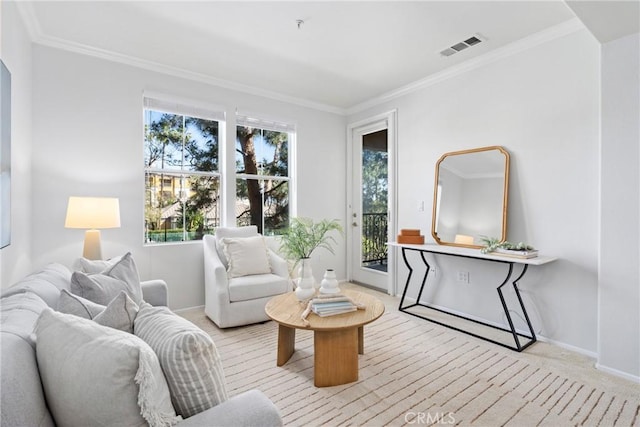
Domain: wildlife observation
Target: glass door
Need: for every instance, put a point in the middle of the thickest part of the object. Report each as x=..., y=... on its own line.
x=370, y=208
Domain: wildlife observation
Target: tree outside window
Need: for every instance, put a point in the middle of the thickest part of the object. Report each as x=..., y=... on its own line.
x=182, y=179
x=262, y=185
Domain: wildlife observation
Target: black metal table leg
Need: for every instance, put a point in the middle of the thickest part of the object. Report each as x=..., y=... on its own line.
x=406, y=285
x=506, y=309
x=512, y=330
x=424, y=279
x=533, y=337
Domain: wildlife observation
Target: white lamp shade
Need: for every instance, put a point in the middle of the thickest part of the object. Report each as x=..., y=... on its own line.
x=93, y=212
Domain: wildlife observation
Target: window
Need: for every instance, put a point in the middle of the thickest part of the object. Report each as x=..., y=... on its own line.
x=182, y=176
x=263, y=174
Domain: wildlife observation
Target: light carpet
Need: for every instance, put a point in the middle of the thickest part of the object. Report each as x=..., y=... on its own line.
x=414, y=372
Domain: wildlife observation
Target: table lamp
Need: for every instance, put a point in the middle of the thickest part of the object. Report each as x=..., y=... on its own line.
x=92, y=213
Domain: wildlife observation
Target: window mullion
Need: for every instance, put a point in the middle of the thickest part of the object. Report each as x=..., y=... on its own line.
x=262, y=177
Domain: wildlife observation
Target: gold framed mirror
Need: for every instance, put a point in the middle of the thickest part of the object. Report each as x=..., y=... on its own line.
x=470, y=197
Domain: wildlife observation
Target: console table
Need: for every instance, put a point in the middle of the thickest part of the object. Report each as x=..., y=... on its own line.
x=474, y=254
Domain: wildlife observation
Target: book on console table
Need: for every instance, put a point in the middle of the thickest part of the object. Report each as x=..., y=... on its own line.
x=516, y=254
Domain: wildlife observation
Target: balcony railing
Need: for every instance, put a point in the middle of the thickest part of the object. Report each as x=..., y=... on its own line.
x=374, y=238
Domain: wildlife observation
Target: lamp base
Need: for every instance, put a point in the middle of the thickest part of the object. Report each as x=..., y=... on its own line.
x=92, y=248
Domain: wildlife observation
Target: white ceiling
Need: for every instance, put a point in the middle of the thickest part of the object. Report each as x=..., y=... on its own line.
x=344, y=54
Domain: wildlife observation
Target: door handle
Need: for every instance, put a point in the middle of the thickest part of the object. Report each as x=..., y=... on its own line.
x=355, y=224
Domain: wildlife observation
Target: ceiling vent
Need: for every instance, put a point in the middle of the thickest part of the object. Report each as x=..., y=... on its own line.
x=458, y=47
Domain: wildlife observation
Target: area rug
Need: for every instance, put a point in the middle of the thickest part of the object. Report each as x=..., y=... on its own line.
x=417, y=373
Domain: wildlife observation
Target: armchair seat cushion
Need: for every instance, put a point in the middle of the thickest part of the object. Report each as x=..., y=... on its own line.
x=256, y=286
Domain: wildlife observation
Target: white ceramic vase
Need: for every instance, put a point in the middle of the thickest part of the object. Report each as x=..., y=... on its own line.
x=329, y=284
x=306, y=284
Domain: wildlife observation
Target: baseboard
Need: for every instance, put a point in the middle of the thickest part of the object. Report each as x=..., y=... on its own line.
x=617, y=373
x=181, y=310
x=590, y=354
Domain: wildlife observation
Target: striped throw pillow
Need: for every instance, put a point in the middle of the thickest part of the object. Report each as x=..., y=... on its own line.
x=188, y=356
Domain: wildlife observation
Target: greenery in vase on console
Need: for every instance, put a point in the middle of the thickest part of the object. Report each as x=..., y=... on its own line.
x=492, y=244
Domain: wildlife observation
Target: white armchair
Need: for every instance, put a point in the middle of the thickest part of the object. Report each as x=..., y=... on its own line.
x=237, y=289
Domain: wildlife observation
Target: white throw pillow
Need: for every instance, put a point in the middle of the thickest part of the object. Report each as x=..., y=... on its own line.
x=188, y=357
x=103, y=287
x=94, y=375
x=246, y=256
x=233, y=232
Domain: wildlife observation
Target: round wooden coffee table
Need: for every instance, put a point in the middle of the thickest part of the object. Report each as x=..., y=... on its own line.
x=337, y=340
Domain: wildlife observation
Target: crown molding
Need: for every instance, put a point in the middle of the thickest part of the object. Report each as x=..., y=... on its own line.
x=27, y=12
x=39, y=37
x=182, y=73
x=544, y=36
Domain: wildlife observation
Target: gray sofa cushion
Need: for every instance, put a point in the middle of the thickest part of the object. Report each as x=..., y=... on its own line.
x=22, y=397
x=154, y=292
x=249, y=409
x=45, y=283
x=19, y=313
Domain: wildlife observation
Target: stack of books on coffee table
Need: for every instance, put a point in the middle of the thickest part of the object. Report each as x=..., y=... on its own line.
x=330, y=306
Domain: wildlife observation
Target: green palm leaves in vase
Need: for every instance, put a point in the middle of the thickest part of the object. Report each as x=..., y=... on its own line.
x=305, y=236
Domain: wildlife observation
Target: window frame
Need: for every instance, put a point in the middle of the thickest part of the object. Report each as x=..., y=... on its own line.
x=262, y=122
x=226, y=174
x=185, y=108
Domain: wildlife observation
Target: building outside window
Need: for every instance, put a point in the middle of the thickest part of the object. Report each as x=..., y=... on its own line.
x=182, y=176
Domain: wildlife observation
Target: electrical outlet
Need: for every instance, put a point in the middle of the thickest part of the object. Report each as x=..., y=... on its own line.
x=463, y=276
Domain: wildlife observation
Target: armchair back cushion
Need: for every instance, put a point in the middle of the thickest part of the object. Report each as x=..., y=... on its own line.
x=246, y=256
x=232, y=232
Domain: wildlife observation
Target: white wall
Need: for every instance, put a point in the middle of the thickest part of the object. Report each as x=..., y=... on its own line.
x=15, y=259
x=619, y=273
x=87, y=140
x=542, y=105
x=84, y=137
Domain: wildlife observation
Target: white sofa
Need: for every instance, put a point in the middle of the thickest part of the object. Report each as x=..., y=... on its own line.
x=238, y=301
